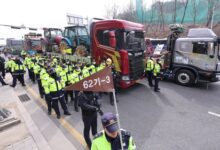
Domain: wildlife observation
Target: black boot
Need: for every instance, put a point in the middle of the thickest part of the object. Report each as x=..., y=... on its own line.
x=67, y=113
x=77, y=109
x=12, y=86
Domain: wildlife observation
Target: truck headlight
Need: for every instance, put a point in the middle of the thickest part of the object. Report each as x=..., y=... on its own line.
x=125, y=78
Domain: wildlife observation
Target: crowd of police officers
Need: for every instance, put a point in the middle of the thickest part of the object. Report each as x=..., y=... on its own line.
x=54, y=74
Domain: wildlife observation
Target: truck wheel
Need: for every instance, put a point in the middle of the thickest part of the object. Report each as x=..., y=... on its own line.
x=185, y=77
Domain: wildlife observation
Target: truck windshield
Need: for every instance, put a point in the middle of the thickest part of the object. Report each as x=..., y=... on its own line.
x=134, y=40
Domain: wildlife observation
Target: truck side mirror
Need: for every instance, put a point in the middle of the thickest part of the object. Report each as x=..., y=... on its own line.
x=112, y=39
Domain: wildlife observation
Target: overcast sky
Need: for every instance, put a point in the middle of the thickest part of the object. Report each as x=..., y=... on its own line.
x=49, y=13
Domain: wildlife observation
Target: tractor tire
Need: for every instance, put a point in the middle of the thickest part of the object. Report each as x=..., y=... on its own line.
x=63, y=46
x=185, y=77
x=81, y=51
x=43, y=47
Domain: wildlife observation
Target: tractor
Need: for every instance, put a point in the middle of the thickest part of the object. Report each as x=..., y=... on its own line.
x=75, y=41
x=51, y=40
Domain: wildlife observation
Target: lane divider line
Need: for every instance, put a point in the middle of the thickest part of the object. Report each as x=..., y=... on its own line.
x=77, y=135
x=214, y=114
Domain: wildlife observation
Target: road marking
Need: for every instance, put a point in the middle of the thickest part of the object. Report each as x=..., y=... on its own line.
x=78, y=136
x=214, y=114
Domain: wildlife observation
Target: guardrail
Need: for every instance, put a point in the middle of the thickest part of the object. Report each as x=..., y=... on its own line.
x=72, y=57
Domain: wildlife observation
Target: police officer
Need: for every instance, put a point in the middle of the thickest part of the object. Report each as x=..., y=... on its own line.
x=18, y=70
x=85, y=71
x=56, y=94
x=149, y=71
x=30, y=66
x=23, y=54
x=8, y=64
x=109, y=138
x=37, y=69
x=77, y=76
x=27, y=60
x=65, y=81
x=157, y=68
x=92, y=68
x=89, y=107
x=44, y=80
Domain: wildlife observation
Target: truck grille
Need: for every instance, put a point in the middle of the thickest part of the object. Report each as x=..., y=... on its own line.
x=136, y=66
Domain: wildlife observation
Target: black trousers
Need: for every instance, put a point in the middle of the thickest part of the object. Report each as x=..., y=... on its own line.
x=3, y=72
x=32, y=75
x=55, y=106
x=89, y=122
x=70, y=93
x=40, y=88
x=49, y=102
x=76, y=100
x=2, y=81
x=150, y=77
x=156, y=83
x=20, y=78
x=63, y=104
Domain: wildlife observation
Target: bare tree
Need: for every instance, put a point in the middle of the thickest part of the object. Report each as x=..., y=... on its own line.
x=112, y=11
x=152, y=13
x=161, y=14
x=128, y=13
x=174, y=11
x=184, y=13
x=211, y=9
x=217, y=6
x=194, y=12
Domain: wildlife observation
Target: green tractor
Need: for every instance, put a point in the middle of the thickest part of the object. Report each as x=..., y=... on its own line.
x=75, y=41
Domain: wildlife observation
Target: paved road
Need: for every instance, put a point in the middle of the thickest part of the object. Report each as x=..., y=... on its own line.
x=175, y=119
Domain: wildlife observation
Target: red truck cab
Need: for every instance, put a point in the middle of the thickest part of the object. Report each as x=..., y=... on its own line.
x=124, y=43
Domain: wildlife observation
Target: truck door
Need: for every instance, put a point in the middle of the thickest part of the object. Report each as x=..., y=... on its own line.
x=198, y=54
x=204, y=55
